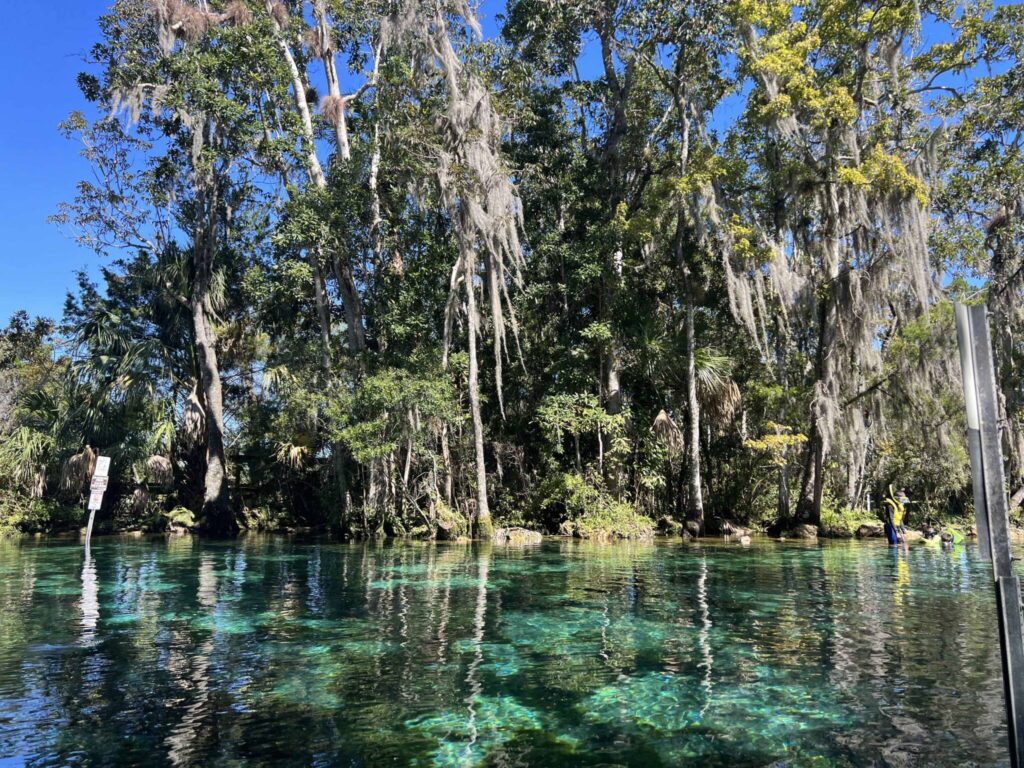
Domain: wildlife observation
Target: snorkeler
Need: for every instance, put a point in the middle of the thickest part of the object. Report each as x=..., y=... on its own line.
x=946, y=539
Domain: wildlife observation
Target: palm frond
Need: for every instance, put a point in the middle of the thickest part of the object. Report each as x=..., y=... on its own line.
x=26, y=453
x=718, y=394
x=292, y=455
x=669, y=432
x=77, y=469
x=159, y=470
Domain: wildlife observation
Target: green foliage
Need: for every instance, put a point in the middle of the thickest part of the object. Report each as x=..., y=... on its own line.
x=21, y=514
x=575, y=415
x=383, y=413
x=181, y=517
x=886, y=175
x=615, y=521
x=450, y=525
x=843, y=522
x=917, y=449
x=579, y=508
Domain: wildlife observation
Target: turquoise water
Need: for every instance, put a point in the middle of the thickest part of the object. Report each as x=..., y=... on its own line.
x=273, y=651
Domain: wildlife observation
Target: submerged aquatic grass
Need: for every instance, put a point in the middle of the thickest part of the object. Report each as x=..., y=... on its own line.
x=277, y=651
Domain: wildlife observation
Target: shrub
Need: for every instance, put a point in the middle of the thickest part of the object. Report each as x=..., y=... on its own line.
x=843, y=522
x=182, y=517
x=21, y=514
x=263, y=518
x=579, y=508
x=451, y=525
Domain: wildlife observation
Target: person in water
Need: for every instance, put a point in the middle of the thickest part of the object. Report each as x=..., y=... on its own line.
x=947, y=539
x=894, y=516
x=904, y=501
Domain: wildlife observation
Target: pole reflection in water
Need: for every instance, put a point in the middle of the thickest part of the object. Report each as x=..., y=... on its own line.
x=90, y=603
x=315, y=598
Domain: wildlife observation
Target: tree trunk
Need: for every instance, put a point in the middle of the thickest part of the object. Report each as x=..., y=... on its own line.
x=694, y=499
x=808, y=506
x=376, y=219
x=612, y=388
x=343, y=271
x=782, y=505
x=613, y=362
x=695, y=495
x=483, y=511
x=352, y=304
x=216, y=514
x=323, y=33
x=449, y=473
x=782, y=360
x=313, y=166
x=322, y=310
x=618, y=92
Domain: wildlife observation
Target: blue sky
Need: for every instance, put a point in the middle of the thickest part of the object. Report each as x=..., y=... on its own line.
x=42, y=50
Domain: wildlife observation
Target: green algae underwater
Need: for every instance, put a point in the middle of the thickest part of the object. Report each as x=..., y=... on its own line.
x=270, y=650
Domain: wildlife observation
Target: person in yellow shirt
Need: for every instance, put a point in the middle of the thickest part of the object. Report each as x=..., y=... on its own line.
x=895, y=515
x=904, y=500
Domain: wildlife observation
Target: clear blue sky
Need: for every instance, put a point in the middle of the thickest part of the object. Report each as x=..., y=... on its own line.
x=41, y=51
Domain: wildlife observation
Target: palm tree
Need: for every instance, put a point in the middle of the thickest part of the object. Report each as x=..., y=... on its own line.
x=714, y=394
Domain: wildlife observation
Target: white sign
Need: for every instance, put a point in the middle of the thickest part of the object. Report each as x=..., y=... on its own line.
x=99, y=483
x=95, y=499
x=102, y=466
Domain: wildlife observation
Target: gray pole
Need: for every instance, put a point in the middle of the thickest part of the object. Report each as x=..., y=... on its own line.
x=88, y=528
x=963, y=336
x=991, y=509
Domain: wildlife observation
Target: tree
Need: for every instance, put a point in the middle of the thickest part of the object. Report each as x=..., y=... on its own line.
x=631, y=260
x=179, y=176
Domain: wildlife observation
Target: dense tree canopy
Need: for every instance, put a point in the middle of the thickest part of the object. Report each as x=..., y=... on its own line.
x=365, y=270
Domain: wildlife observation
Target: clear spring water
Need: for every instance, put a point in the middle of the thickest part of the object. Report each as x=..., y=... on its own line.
x=273, y=651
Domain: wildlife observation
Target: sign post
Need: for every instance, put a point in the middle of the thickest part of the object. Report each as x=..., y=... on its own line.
x=100, y=477
x=991, y=509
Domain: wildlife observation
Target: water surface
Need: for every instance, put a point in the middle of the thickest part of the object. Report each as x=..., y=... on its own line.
x=273, y=651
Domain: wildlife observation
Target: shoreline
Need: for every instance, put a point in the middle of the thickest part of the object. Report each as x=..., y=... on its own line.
x=537, y=538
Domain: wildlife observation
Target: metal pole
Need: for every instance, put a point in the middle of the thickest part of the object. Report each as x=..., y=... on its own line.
x=963, y=336
x=991, y=508
x=88, y=528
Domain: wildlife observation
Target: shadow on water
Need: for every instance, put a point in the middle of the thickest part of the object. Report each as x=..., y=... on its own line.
x=273, y=651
